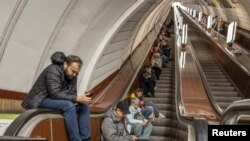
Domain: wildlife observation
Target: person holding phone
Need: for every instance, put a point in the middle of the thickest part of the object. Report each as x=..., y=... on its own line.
x=113, y=126
x=55, y=88
x=137, y=124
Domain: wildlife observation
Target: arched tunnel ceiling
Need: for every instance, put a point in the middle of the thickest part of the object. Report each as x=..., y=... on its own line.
x=101, y=32
x=239, y=12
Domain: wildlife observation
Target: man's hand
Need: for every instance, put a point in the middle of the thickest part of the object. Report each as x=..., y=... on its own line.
x=83, y=99
x=145, y=122
x=142, y=103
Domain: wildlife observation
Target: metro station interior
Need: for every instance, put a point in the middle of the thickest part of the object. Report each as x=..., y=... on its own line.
x=204, y=81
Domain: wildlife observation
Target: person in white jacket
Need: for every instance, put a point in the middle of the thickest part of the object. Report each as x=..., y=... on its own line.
x=156, y=63
x=136, y=123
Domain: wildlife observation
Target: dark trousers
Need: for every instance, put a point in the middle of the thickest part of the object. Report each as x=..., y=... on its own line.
x=157, y=72
x=148, y=86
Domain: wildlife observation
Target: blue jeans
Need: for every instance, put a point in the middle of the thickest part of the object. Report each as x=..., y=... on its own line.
x=146, y=112
x=156, y=110
x=76, y=117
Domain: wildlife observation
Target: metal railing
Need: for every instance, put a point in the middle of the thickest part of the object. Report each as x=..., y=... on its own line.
x=199, y=124
x=235, y=111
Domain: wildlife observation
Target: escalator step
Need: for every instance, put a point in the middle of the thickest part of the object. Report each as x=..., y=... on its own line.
x=220, y=84
x=163, y=90
x=227, y=94
x=166, y=75
x=212, y=70
x=213, y=76
x=164, y=85
x=226, y=99
x=227, y=88
x=159, y=100
x=165, y=78
x=169, y=81
x=165, y=107
x=164, y=95
x=210, y=67
x=218, y=80
x=169, y=132
x=214, y=73
x=169, y=123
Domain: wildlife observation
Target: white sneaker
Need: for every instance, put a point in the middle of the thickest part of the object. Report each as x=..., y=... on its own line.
x=161, y=115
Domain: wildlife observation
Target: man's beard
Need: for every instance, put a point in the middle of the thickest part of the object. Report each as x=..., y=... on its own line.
x=67, y=75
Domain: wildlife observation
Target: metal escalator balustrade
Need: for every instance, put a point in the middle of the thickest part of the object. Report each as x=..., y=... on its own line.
x=222, y=88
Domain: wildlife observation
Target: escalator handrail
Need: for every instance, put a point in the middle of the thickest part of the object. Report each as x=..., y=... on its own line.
x=234, y=111
x=14, y=128
x=10, y=138
x=178, y=100
x=200, y=125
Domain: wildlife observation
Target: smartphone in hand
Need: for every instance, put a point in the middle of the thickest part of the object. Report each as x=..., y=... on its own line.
x=89, y=94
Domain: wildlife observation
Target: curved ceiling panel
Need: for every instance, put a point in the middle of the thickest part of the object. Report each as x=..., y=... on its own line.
x=125, y=34
x=6, y=9
x=148, y=24
x=108, y=63
x=27, y=41
x=125, y=37
x=75, y=25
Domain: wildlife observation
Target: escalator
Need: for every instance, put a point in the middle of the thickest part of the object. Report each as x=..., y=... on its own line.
x=169, y=128
x=222, y=88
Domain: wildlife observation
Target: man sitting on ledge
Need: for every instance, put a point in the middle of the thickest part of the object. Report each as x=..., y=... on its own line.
x=55, y=88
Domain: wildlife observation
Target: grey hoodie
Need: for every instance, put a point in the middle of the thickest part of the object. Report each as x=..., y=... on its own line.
x=113, y=128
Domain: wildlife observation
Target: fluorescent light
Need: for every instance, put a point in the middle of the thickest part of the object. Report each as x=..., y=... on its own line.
x=231, y=31
x=200, y=17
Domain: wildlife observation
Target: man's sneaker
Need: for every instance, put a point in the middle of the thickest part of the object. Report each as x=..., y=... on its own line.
x=161, y=115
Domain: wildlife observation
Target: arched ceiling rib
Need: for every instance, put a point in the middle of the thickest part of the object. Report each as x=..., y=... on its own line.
x=6, y=8
x=108, y=63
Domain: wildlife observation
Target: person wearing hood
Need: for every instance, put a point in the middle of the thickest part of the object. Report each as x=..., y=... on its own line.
x=55, y=88
x=113, y=126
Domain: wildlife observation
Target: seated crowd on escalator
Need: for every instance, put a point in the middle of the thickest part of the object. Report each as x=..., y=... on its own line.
x=160, y=56
x=132, y=118
x=134, y=122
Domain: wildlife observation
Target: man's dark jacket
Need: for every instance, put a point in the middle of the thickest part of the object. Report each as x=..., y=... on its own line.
x=52, y=83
